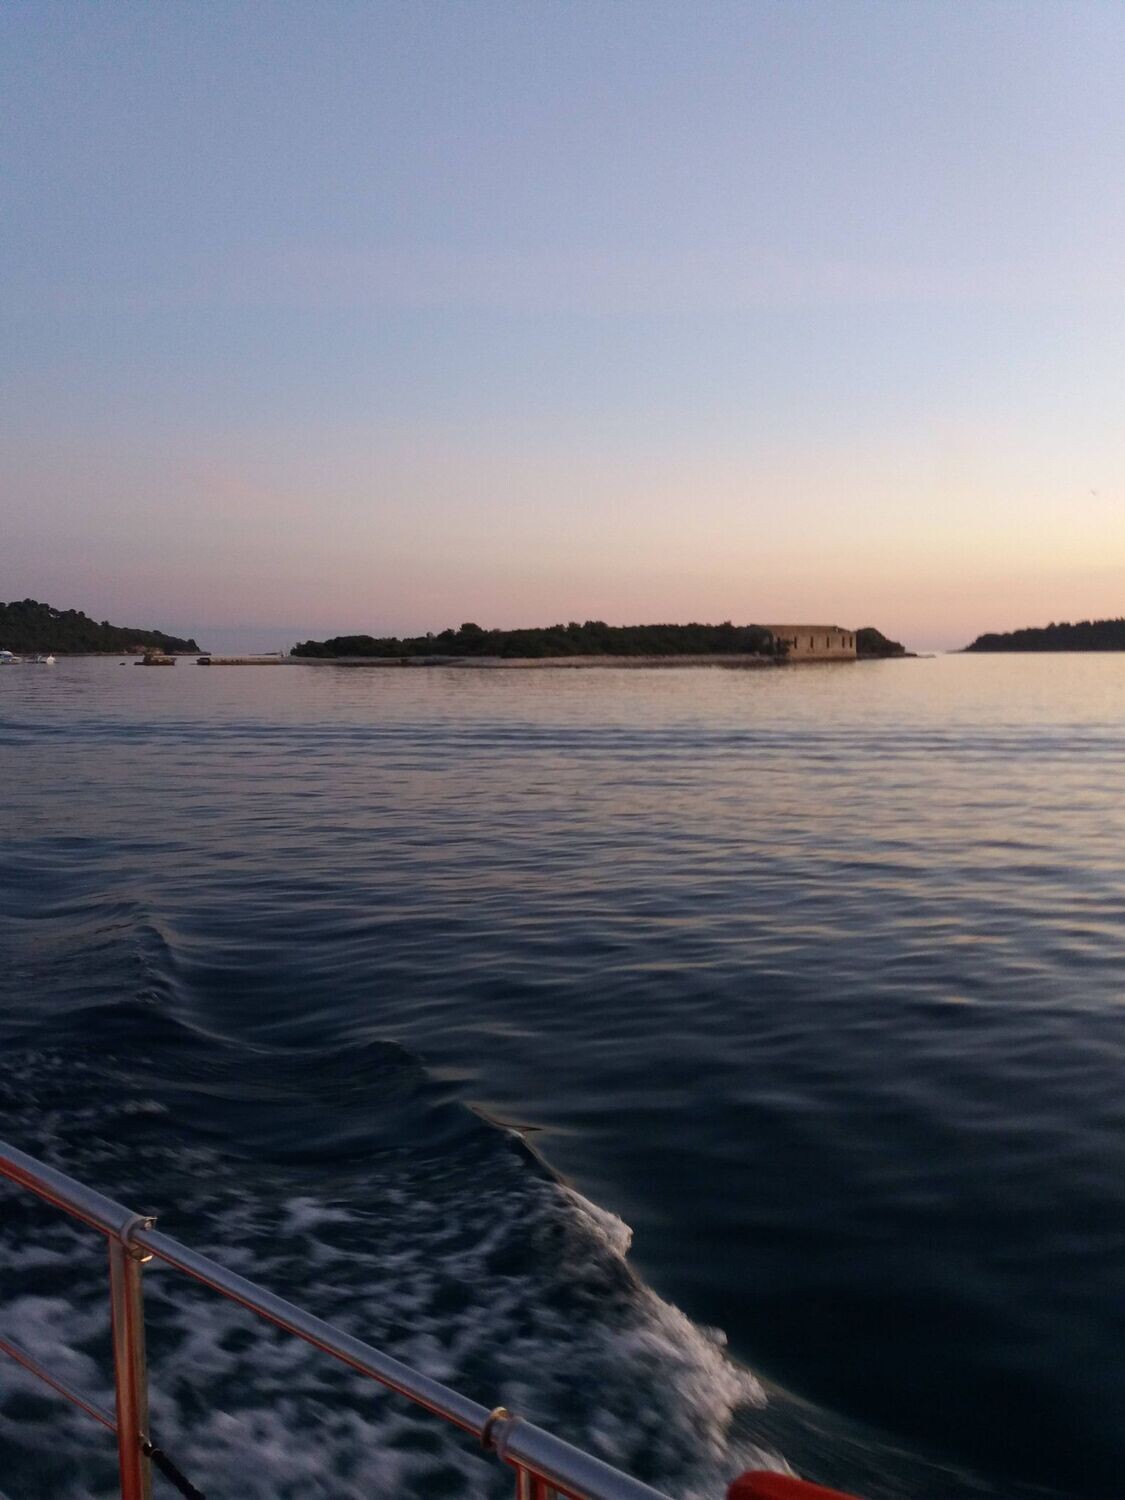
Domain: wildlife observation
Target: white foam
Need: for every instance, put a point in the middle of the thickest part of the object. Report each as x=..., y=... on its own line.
x=497, y=1280
x=613, y=1232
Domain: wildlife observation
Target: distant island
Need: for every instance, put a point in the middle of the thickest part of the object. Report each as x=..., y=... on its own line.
x=27, y=625
x=1086, y=635
x=594, y=638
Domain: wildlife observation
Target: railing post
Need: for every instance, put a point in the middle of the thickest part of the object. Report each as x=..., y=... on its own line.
x=531, y=1486
x=129, y=1373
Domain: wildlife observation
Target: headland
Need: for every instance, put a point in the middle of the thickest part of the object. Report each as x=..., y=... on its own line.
x=1086, y=635
x=28, y=625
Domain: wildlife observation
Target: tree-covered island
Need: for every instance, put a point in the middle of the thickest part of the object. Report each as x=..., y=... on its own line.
x=1086, y=635
x=593, y=639
x=27, y=625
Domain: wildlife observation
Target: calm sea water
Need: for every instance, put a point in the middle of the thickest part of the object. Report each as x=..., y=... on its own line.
x=414, y=993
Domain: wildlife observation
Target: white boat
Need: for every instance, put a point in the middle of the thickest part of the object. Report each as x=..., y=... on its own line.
x=7, y=659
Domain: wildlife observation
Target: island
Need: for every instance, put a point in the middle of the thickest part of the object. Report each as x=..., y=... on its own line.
x=596, y=642
x=594, y=638
x=29, y=626
x=1086, y=635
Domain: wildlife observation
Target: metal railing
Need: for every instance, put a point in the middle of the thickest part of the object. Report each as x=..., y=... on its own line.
x=543, y=1463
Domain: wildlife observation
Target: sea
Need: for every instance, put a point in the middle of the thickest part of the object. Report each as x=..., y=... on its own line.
x=722, y=1068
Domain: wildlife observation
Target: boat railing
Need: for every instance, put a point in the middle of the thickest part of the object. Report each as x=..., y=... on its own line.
x=543, y=1464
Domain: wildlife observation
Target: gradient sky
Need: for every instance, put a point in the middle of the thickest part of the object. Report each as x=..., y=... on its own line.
x=327, y=317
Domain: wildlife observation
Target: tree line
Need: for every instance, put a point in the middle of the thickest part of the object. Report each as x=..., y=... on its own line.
x=1085, y=635
x=593, y=638
x=28, y=625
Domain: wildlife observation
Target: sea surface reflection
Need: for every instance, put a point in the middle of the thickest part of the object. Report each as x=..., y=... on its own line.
x=406, y=991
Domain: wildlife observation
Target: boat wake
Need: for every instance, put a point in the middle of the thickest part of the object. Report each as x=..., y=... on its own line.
x=454, y=1250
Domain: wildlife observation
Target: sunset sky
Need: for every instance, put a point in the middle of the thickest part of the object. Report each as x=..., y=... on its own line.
x=329, y=317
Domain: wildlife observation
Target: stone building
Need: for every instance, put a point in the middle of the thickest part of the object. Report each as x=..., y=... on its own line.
x=815, y=642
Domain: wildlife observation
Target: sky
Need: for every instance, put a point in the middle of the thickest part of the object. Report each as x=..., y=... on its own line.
x=328, y=317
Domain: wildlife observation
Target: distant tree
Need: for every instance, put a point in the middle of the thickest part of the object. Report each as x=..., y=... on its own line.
x=872, y=642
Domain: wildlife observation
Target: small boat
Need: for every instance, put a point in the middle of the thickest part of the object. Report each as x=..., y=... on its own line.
x=10, y=659
x=155, y=659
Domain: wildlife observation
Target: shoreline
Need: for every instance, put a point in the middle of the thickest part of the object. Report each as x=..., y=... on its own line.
x=729, y=659
x=541, y=663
